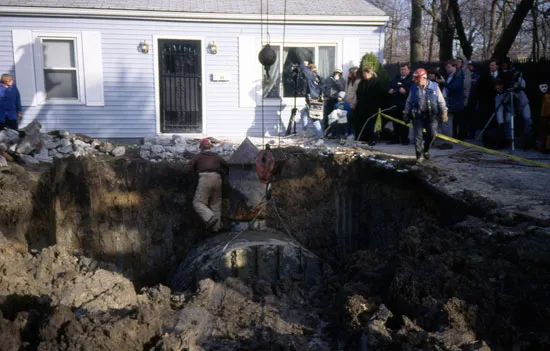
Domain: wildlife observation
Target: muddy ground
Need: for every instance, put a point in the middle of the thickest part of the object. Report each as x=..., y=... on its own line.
x=479, y=281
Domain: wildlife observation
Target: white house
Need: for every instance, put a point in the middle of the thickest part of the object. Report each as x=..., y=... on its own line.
x=139, y=68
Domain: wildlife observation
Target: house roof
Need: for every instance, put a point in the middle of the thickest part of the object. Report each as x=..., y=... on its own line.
x=293, y=7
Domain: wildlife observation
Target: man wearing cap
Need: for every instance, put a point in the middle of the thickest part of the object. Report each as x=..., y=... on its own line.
x=332, y=86
x=425, y=105
x=208, y=195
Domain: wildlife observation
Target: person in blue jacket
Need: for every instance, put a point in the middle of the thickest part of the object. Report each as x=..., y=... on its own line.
x=453, y=92
x=10, y=103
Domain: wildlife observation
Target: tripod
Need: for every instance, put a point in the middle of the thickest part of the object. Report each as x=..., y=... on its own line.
x=291, y=128
x=510, y=94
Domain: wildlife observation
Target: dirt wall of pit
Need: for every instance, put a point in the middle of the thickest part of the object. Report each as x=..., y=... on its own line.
x=139, y=215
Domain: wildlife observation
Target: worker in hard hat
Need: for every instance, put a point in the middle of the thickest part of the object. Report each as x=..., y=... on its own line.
x=208, y=196
x=425, y=105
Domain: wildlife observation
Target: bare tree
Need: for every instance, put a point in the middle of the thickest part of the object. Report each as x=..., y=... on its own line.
x=416, y=31
x=446, y=31
x=433, y=29
x=464, y=42
x=509, y=35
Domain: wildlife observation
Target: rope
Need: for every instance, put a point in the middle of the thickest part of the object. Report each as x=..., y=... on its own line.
x=282, y=222
x=267, y=22
x=281, y=75
x=262, y=21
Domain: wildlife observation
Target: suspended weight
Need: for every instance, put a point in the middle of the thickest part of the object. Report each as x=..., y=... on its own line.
x=267, y=57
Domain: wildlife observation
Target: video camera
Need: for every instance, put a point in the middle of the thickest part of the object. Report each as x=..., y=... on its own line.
x=295, y=69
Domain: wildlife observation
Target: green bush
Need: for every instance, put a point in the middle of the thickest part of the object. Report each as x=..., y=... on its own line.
x=370, y=60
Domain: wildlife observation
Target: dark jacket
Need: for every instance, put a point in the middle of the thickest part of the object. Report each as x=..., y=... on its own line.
x=314, y=88
x=208, y=161
x=371, y=95
x=455, y=92
x=397, y=82
x=332, y=87
x=10, y=102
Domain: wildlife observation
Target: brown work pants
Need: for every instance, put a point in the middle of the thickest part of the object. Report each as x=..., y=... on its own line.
x=208, y=199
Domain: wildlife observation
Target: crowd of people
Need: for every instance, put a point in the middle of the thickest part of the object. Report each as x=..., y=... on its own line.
x=458, y=103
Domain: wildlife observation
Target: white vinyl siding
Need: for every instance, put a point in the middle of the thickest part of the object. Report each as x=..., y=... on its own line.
x=125, y=105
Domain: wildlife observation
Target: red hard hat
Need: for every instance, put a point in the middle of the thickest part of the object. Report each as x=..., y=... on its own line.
x=419, y=73
x=205, y=143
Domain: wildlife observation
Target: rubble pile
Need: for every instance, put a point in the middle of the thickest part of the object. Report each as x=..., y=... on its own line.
x=179, y=148
x=30, y=146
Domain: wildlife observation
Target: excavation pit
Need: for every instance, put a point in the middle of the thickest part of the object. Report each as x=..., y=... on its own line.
x=358, y=251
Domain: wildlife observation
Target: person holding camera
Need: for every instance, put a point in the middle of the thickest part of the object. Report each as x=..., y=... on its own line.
x=398, y=89
x=425, y=105
x=435, y=76
x=314, y=98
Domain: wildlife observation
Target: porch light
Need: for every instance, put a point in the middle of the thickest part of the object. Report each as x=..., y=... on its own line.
x=213, y=48
x=144, y=46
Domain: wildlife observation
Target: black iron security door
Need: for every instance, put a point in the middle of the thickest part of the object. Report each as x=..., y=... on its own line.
x=180, y=86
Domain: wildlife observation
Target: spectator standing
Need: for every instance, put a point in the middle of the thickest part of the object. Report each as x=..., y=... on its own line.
x=314, y=95
x=471, y=106
x=370, y=96
x=398, y=90
x=454, y=98
x=208, y=196
x=351, y=98
x=485, y=94
x=425, y=105
x=467, y=79
x=332, y=86
x=10, y=103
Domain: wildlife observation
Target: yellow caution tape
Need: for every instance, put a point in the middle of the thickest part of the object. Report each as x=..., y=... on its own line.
x=481, y=148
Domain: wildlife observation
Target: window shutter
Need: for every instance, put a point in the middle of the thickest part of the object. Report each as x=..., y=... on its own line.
x=23, y=58
x=93, y=68
x=250, y=72
x=351, y=54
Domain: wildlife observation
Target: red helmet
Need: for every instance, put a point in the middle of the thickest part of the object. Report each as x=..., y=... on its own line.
x=205, y=143
x=419, y=73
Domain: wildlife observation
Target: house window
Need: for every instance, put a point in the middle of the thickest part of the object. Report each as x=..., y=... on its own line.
x=59, y=68
x=293, y=81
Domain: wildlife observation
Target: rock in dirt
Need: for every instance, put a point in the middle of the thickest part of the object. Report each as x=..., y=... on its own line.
x=3, y=162
x=32, y=140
